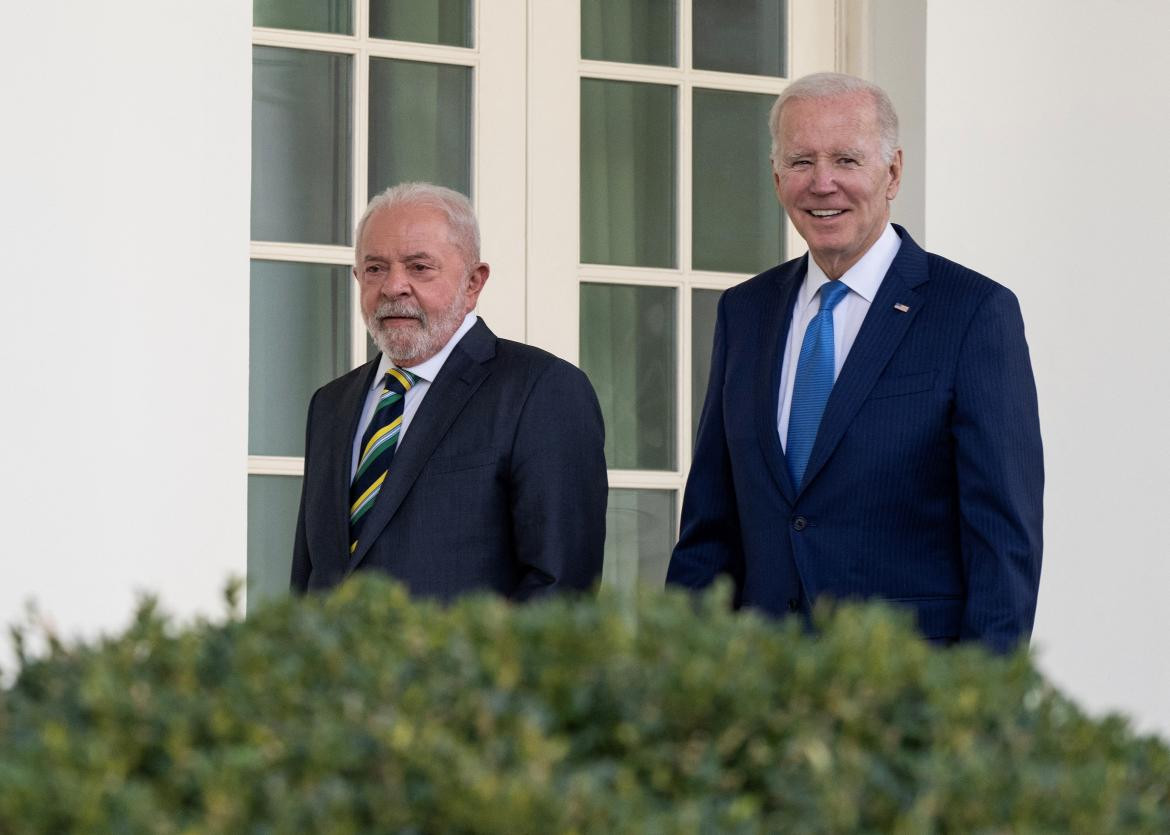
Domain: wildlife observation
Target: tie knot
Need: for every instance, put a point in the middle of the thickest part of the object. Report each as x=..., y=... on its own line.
x=399, y=380
x=832, y=293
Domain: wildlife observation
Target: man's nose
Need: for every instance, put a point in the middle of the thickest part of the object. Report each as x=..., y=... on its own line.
x=395, y=282
x=823, y=181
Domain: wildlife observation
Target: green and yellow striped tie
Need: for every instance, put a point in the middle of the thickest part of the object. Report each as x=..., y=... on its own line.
x=378, y=445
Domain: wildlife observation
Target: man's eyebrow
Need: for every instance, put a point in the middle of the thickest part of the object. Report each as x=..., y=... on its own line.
x=838, y=152
x=421, y=255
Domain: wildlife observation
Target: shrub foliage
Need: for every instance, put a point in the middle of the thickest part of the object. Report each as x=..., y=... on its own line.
x=366, y=712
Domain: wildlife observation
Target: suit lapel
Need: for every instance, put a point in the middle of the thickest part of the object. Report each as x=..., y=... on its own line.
x=339, y=433
x=880, y=334
x=776, y=318
x=458, y=379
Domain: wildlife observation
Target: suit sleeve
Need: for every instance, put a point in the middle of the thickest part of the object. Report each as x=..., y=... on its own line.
x=1000, y=470
x=302, y=566
x=709, y=537
x=559, y=485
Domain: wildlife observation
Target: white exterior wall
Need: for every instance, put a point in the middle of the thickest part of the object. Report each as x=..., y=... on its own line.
x=124, y=170
x=1047, y=129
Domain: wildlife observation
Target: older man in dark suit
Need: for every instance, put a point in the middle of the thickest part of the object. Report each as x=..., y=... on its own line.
x=870, y=427
x=455, y=461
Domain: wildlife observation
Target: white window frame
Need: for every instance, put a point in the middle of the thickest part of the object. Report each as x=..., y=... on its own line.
x=498, y=144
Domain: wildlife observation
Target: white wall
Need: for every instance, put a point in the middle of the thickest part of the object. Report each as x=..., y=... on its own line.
x=1047, y=131
x=124, y=230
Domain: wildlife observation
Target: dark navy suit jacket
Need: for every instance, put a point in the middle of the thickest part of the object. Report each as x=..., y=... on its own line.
x=925, y=482
x=500, y=483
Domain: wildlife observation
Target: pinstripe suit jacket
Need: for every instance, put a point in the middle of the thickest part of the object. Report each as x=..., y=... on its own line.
x=500, y=484
x=925, y=483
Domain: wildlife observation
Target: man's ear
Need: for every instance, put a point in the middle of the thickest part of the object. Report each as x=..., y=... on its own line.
x=475, y=281
x=895, y=175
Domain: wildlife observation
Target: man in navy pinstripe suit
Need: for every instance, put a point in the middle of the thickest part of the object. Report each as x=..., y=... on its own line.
x=922, y=482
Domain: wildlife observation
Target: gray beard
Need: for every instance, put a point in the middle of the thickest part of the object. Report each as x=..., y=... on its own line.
x=403, y=347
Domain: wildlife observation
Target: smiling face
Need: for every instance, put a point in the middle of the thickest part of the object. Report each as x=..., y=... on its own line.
x=831, y=178
x=416, y=283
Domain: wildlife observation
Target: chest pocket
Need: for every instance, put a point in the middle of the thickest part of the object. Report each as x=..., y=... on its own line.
x=902, y=385
x=460, y=463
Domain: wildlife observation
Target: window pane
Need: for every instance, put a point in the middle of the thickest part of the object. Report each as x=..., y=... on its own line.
x=420, y=124
x=703, y=307
x=299, y=341
x=273, y=501
x=445, y=22
x=639, y=536
x=627, y=173
x=632, y=31
x=334, y=16
x=628, y=351
x=737, y=221
x=300, y=146
x=745, y=36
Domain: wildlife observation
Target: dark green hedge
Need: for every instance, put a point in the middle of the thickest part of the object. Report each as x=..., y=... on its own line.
x=364, y=712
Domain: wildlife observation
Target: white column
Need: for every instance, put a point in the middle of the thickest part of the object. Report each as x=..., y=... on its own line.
x=1046, y=168
x=124, y=232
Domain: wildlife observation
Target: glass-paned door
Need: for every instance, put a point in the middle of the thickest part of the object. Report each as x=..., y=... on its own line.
x=616, y=152
x=350, y=97
x=650, y=192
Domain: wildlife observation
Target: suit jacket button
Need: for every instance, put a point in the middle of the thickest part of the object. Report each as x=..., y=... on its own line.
x=793, y=604
x=799, y=523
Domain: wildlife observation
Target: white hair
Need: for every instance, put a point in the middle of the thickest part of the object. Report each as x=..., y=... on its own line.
x=461, y=221
x=823, y=85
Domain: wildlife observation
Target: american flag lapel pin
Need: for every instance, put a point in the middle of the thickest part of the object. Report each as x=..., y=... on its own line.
x=902, y=308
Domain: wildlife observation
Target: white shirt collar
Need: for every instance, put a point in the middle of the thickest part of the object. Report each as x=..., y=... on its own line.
x=863, y=278
x=430, y=369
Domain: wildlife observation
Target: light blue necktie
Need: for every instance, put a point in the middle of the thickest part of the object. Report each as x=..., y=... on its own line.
x=814, y=381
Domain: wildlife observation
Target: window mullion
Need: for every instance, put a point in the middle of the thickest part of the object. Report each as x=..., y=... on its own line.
x=361, y=161
x=293, y=39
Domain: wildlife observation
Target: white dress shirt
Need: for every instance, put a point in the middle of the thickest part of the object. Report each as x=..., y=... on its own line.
x=863, y=280
x=424, y=371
